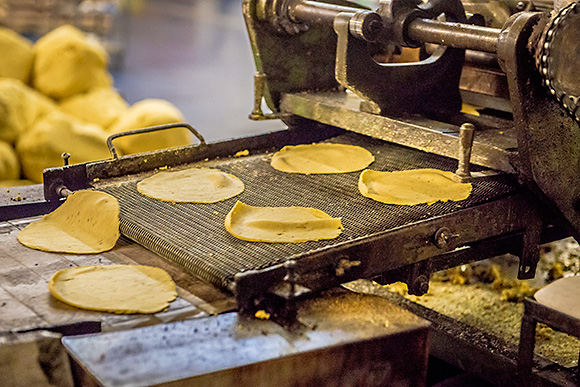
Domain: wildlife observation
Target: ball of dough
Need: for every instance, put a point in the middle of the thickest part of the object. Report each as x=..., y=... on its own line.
x=67, y=62
x=42, y=146
x=150, y=112
x=17, y=55
x=9, y=164
x=20, y=107
x=102, y=106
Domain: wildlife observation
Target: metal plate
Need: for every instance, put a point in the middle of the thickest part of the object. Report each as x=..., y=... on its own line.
x=346, y=339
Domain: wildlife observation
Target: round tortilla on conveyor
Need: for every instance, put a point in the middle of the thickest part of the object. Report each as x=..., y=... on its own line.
x=194, y=185
x=121, y=289
x=86, y=223
x=321, y=158
x=281, y=224
x=411, y=187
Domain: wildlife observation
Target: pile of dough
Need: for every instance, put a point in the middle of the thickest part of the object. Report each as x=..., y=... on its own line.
x=101, y=106
x=68, y=62
x=17, y=55
x=415, y=186
x=281, y=224
x=86, y=223
x=150, y=112
x=42, y=146
x=321, y=158
x=9, y=164
x=121, y=289
x=20, y=107
x=194, y=185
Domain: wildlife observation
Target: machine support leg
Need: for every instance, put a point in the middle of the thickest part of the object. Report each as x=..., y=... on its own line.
x=530, y=252
x=526, y=349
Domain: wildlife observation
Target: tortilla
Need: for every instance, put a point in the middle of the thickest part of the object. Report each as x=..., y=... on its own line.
x=86, y=223
x=415, y=186
x=121, y=289
x=321, y=158
x=281, y=224
x=194, y=185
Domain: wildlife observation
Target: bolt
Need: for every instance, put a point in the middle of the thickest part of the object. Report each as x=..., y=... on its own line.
x=65, y=157
x=444, y=238
x=420, y=285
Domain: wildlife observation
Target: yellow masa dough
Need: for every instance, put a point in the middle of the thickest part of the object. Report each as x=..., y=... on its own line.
x=193, y=185
x=415, y=186
x=68, y=62
x=321, y=158
x=115, y=288
x=17, y=56
x=101, y=106
x=150, y=112
x=44, y=143
x=86, y=223
x=281, y=224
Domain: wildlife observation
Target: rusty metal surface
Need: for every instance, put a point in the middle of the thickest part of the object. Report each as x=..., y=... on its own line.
x=493, y=148
x=344, y=339
x=548, y=138
x=289, y=62
x=558, y=58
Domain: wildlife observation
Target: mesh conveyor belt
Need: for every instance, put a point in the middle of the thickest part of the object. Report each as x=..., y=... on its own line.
x=193, y=235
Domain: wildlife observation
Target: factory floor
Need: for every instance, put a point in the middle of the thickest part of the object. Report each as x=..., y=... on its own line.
x=195, y=54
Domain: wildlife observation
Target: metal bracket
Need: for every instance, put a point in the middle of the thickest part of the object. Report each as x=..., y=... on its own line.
x=385, y=86
x=259, y=89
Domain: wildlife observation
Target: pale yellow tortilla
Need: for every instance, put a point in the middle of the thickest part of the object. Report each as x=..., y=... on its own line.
x=86, y=223
x=281, y=224
x=194, y=185
x=412, y=187
x=115, y=288
x=321, y=158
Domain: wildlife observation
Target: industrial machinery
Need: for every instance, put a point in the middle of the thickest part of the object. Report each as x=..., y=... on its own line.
x=337, y=71
x=320, y=70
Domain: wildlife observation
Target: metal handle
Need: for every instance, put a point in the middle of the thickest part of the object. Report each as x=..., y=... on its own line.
x=466, y=133
x=151, y=129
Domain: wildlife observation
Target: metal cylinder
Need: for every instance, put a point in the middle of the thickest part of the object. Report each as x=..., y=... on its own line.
x=307, y=11
x=454, y=34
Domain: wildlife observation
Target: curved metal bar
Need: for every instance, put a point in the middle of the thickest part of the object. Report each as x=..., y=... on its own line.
x=149, y=129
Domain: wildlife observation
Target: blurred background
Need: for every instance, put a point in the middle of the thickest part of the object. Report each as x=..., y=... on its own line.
x=195, y=54
x=192, y=53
